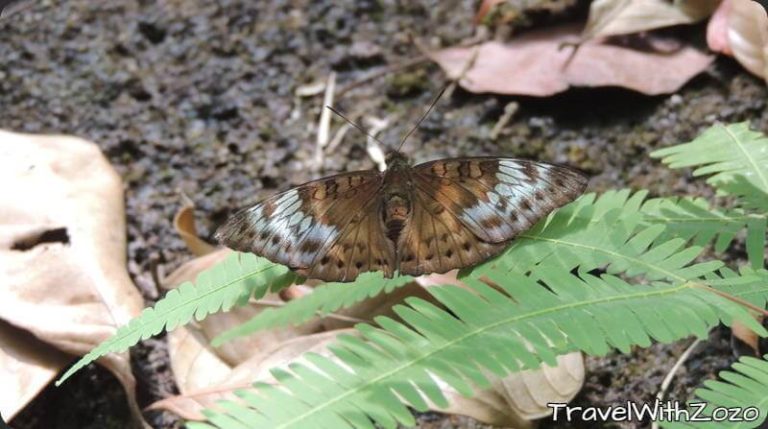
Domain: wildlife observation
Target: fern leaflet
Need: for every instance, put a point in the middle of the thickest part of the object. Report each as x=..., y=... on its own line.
x=734, y=156
x=229, y=283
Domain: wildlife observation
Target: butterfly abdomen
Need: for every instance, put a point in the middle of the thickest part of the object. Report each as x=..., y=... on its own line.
x=396, y=210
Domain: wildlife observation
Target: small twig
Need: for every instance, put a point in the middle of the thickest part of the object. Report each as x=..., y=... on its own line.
x=729, y=297
x=324, y=124
x=509, y=111
x=671, y=375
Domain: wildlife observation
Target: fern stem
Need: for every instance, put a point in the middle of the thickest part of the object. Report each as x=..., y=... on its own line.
x=732, y=298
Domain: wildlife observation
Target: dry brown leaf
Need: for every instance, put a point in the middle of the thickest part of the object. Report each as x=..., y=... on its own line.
x=739, y=28
x=206, y=375
x=517, y=400
x=184, y=224
x=27, y=365
x=537, y=64
x=242, y=348
x=717, y=29
x=747, y=337
x=62, y=246
x=748, y=36
x=189, y=404
x=615, y=17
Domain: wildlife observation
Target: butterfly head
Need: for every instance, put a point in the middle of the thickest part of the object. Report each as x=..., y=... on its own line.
x=396, y=160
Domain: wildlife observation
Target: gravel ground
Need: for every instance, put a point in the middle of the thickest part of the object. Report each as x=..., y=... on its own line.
x=198, y=98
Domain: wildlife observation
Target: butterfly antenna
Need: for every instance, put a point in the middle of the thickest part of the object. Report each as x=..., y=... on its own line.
x=354, y=124
x=424, y=116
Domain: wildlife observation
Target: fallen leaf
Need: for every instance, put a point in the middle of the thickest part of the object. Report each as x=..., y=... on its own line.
x=242, y=348
x=27, y=365
x=189, y=404
x=205, y=376
x=63, y=248
x=717, y=29
x=184, y=224
x=518, y=399
x=540, y=64
x=744, y=340
x=748, y=36
x=615, y=17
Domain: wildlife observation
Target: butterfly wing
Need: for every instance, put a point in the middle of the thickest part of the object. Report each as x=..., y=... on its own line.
x=327, y=229
x=465, y=210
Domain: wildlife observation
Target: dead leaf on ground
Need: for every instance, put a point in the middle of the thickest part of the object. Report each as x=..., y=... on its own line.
x=184, y=224
x=739, y=28
x=615, y=17
x=63, y=248
x=717, y=29
x=206, y=375
x=27, y=365
x=537, y=64
x=744, y=340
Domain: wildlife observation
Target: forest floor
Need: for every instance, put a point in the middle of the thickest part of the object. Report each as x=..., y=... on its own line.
x=197, y=98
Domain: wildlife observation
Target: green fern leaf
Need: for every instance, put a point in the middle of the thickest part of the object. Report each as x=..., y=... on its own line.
x=376, y=375
x=229, y=283
x=323, y=300
x=604, y=232
x=693, y=219
x=744, y=386
x=734, y=156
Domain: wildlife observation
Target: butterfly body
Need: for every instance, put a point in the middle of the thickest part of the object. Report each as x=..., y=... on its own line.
x=432, y=217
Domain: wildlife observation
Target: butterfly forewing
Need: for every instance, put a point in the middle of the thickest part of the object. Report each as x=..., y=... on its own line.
x=314, y=228
x=466, y=209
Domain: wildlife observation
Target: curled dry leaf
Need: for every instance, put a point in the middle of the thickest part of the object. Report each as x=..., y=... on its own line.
x=206, y=375
x=748, y=35
x=62, y=247
x=740, y=28
x=241, y=349
x=717, y=29
x=614, y=17
x=542, y=63
x=27, y=365
x=184, y=224
x=517, y=400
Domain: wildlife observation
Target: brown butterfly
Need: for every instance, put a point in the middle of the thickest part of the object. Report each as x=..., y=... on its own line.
x=428, y=218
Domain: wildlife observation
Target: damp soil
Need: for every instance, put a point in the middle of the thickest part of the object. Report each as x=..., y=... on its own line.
x=198, y=99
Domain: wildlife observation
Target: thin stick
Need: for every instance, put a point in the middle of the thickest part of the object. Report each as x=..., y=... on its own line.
x=732, y=298
x=671, y=375
x=324, y=125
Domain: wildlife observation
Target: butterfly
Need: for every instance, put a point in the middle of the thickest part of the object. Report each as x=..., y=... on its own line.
x=428, y=218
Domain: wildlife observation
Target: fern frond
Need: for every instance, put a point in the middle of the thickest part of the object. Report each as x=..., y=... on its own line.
x=323, y=300
x=604, y=232
x=693, y=219
x=486, y=330
x=734, y=156
x=744, y=386
x=229, y=283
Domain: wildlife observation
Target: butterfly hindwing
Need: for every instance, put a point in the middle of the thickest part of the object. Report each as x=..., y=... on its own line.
x=434, y=240
x=308, y=227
